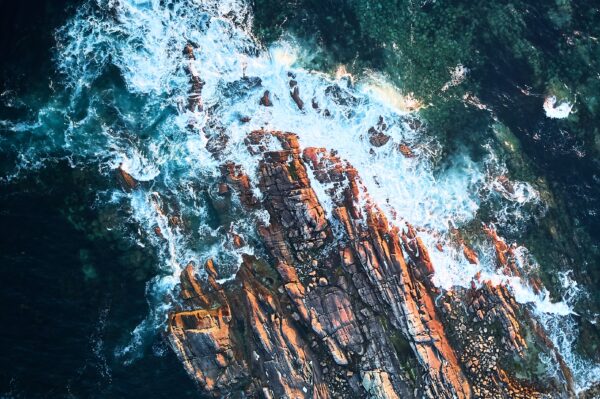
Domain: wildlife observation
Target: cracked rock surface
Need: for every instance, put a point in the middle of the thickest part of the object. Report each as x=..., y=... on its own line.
x=342, y=303
x=337, y=301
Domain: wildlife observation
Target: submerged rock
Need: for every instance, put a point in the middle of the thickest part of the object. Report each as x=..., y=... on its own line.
x=195, y=94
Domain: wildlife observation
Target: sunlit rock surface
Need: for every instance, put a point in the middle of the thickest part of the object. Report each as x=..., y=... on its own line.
x=343, y=304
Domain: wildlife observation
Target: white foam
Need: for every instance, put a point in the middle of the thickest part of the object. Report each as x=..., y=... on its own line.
x=563, y=332
x=560, y=111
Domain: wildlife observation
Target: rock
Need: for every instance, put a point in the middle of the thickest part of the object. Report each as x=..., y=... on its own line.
x=223, y=189
x=468, y=252
x=196, y=83
x=292, y=201
x=295, y=93
x=591, y=392
x=125, y=179
x=207, y=340
x=379, y=253
x=237, y=240
x=355, y=314
x=235, y=178
x=265, y=100
x=470, y=255
x=405, y=150
x=377, y=137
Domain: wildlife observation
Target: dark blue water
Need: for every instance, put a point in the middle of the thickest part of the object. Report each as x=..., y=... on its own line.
x=71, y=297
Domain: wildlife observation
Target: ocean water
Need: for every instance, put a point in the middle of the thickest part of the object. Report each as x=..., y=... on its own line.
x=88, y=281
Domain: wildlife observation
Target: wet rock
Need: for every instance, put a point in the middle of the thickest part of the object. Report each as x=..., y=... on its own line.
x=196, y=83
x=377, y=137
x=265, y=100
x=126, y=181
x=346, y=292
x=359, y=303
x=315, y=105
x=289, y=197
x=223, y=189
x=405, y=150
x=590, y=393
x=236, y=178
x=295, y=93
x=256, y=349
x=377, y=249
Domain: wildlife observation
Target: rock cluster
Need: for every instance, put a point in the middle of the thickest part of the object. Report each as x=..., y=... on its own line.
x=377, y=136
x=342, y=304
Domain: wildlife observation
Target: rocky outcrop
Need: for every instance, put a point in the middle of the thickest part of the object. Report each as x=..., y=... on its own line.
x=377, y=250
x=377, y=136
x=295, y=91
x=265, y=100
x=289, y=197
x=202, y=336
x=506, y=261
x=499, y=343
x=126, y=181
x=256, y=349
x=342, y=303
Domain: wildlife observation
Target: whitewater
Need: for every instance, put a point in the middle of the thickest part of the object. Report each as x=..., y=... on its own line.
x=139, y=122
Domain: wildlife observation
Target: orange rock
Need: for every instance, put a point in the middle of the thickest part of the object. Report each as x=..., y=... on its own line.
x=238, y=241
x=223, y=189
x=206, y=339
x=295, y=93
x=355, y=294
x=405, y=150
x=378, y=251
x=127, y=181
x=470, y=255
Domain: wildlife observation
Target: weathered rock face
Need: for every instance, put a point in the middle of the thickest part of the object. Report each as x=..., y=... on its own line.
x=201, y=334
x=289, y=197
x=347, y=314
x=376, y=250
x=342, y=304
x=257, y=348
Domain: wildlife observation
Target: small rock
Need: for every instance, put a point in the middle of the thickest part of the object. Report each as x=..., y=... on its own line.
x=265, y=100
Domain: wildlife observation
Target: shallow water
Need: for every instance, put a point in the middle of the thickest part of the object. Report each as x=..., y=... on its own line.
x=118, y=98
